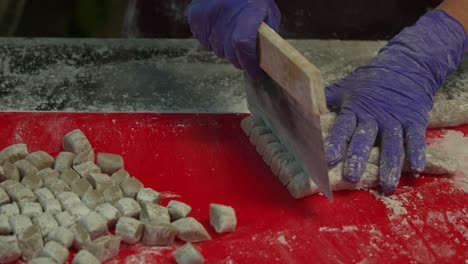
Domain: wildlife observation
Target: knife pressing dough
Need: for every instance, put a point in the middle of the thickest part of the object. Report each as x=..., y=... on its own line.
x=129, y=229
x=64, y=161
x=109, y=163
x=190, y=230
x=40, y=160
x=222, y=218
x=13, y=153
x=188, y=254
x=75, y=142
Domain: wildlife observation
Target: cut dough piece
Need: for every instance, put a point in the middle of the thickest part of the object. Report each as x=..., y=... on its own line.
x=288, y=171
x=11, y=172
x=190, y=230
x=47, y=173
x=4, y=197
x=148, y=195
x=84, y=169
x=129, y=229
x=78, y=211
x=69, y=177
x=120, y=176
x=94, y=224
x=56, y=186
x=43, y=194
x=100, y=181
x=81, y=238
x=257, y=132
x=65, y=219
x=128, y=207
x=76, y=142
x=271, y=151
x=46, y=223
x=130, y=187
x=188, y=254
x=68, y=199
x=279, y=161
x=30, y=209
x=178, y=209
x=250, y=122
x=25, y=168
x=9, y=249
x=9, y=209
x=112, y=194
x=64, y=161
x=92, y=198
x=109, y=163
x=263, y=141
x=80, y=187
x=154, y=213
x=85, y=257
x=40, y=160
x=109, y=213
x=22, y=194
x=158, y=234
x=55, y=251
x=42, y=260
x=222, y=218
x=61, y=235
x=32, y=182
x=5, y=228
x=104, y=248
x=19, y=223
x=30, y=242
x=85, y=156
x=13, y=153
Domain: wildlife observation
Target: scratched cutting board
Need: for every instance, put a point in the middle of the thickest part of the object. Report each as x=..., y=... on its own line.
x=201, y=159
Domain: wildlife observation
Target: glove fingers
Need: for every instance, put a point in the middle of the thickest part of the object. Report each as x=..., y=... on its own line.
x=416, y=148
x=339, y=136
x=334, y=94
x=359, y=148
x=391, y=157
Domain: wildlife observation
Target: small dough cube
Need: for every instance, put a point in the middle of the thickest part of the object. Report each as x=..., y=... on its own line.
x=81, y=186
x=40, y=160
x=57, y=186
x=64, y=161
x=30, y=242
x=263, y=141
x=222, y=218
x=84, y=169
x=301, y=186
x=128, y=207
x=129, y=229
x=109, y=213
x=257, y=132
x=11, y=172
x=288, y=171
x=4, y=198
x=85, y=156
x=104, y=248
x=271, y=150
x=158, y=234
x=190, y=230
x=84, y=257
x=69, y=177
x=154, y=213
x=46, y=223
x=42, y=260
x=100, y=181
x=120, y=176
x=279, y=161
x=9, y=249
x=30, y=209
x=78, y=211
x=68, y=199
x=47, y=173
x=13, y=153
x=52, y=206
x=75, y=142
x=55, y=251
x=92, y=198
x=131, y=187
x=94, y=224
x=112, y=194
x=9, y=184
x=148, y=195
x=80, y=237
x=19, y=223
x=5, y=228
x=178, y=209
x=43, y=194
x=65, y=219
x=32, y=182
x=9, y=209
x=188, y=254
x=109, y=163
x=25, y=168
x=23, y=194
x=61, y=235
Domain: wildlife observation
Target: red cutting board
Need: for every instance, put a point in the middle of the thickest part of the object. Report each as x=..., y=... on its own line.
x=206, y=158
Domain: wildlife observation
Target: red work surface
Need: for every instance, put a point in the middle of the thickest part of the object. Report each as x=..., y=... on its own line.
x=203, y=159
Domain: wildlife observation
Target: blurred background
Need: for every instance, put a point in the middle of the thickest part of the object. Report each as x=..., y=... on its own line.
x=325, y=19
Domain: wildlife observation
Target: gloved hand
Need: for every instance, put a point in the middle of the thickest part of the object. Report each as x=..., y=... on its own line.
x=390, y=99
x=229, y=28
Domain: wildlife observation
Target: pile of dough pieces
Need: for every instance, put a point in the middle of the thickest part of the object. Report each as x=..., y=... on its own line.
x=48, y=206
x=284, y=165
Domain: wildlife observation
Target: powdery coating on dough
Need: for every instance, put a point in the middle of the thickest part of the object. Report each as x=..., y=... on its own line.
x=47, y=172
x=148, y=195
x=40, y=160
x=92, y=198
x=130, y=187
x=188, y=254
x=5, y=228
x=85, y=156
x=25, y=168
x=449, y=114
x=22, y=194
x=84, y=169
x=69, y=177
x=55, y=251
x=80, y=237
x=30, y=209
x=159, y=234
x=30, y=242
x=46, y=223
x=78, y=211
x=13, y=153
x=129, y=229
x=110, y=163
x=61, y=235
x=64, y=161
x=178, y=209
x=155, y=212
x=84, y=257
x=19, y=223
x=190, y=230
x=80, y=187
x=9, y=249
x=65, y=219
x=223, y=218
x=4, y=197
x=10, y=171
x=76, y=142
x=42, y=260
x=68, y=199
x=9, y=209
x=120, y=176
x=43, y=194
x=57, y=186
x=100, y=181
x=128, y=207
x=112, y=194
x=32, y=182
x=94, y=224
x=104, y=248
x=109, y=213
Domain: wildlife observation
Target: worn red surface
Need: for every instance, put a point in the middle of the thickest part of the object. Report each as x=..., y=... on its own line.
x=201, y=159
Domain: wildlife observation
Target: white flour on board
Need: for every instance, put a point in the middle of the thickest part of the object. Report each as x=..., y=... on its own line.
x=393, y=204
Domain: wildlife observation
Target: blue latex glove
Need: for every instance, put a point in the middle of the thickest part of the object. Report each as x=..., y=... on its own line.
x=229, y=28
x=390, y=99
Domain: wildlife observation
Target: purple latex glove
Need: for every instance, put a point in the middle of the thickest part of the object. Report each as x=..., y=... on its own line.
x=229, y=28
x=390, y=99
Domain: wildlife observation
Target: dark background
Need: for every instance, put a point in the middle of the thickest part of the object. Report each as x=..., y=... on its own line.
x=342, y=19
